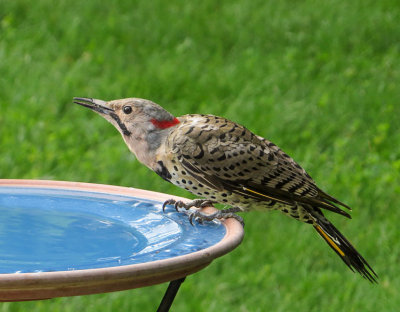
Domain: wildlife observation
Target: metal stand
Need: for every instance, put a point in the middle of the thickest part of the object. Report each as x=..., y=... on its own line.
x=170, y=294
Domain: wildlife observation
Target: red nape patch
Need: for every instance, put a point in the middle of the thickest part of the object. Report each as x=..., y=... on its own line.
x=164, y=124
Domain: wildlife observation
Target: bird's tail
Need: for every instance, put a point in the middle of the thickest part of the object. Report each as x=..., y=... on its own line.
x=345, y=249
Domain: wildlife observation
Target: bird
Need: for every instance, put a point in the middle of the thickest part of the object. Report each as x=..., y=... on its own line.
x=221, y=161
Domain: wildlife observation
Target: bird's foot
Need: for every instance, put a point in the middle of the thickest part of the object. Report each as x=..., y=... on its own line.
x=198, y=203
x=220, y=214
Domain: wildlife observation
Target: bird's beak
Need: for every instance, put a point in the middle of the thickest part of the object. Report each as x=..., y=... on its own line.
x=94, y=104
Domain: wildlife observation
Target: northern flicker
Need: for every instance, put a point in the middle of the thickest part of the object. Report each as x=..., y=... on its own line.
x=223, y=162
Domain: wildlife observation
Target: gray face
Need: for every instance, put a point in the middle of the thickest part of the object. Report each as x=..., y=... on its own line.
x=128, y=115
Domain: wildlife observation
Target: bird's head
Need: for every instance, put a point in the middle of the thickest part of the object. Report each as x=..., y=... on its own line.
x=131, y=116
x=142, y=123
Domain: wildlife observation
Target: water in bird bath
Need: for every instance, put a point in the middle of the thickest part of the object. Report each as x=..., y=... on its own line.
x=58, y=230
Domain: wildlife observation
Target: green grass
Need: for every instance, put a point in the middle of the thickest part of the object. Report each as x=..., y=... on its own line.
x=319, y=78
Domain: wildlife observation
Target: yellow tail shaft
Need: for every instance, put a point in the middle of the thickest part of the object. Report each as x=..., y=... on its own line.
x=329, y=240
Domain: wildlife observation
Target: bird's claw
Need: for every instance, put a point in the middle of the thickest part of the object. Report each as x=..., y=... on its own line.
x=168, y=202
x=198, y=203
x=199, y=216
x=177, y=204
x=180, y=204
x=221, y=214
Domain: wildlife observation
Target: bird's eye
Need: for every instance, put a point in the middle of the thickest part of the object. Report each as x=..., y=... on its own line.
x=127, y=109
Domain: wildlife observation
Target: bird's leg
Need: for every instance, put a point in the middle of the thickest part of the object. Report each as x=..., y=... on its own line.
x=220, y=214
x=198, y=203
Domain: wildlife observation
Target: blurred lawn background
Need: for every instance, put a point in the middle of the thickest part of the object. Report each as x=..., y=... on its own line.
x=320, y=79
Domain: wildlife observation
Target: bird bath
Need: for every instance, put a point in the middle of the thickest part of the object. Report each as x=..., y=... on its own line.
x=66, y=239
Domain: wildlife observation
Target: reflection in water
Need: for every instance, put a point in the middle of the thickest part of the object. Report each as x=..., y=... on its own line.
x=52, y=230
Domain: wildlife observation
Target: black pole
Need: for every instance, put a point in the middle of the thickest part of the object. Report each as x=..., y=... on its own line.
x=170, y=294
